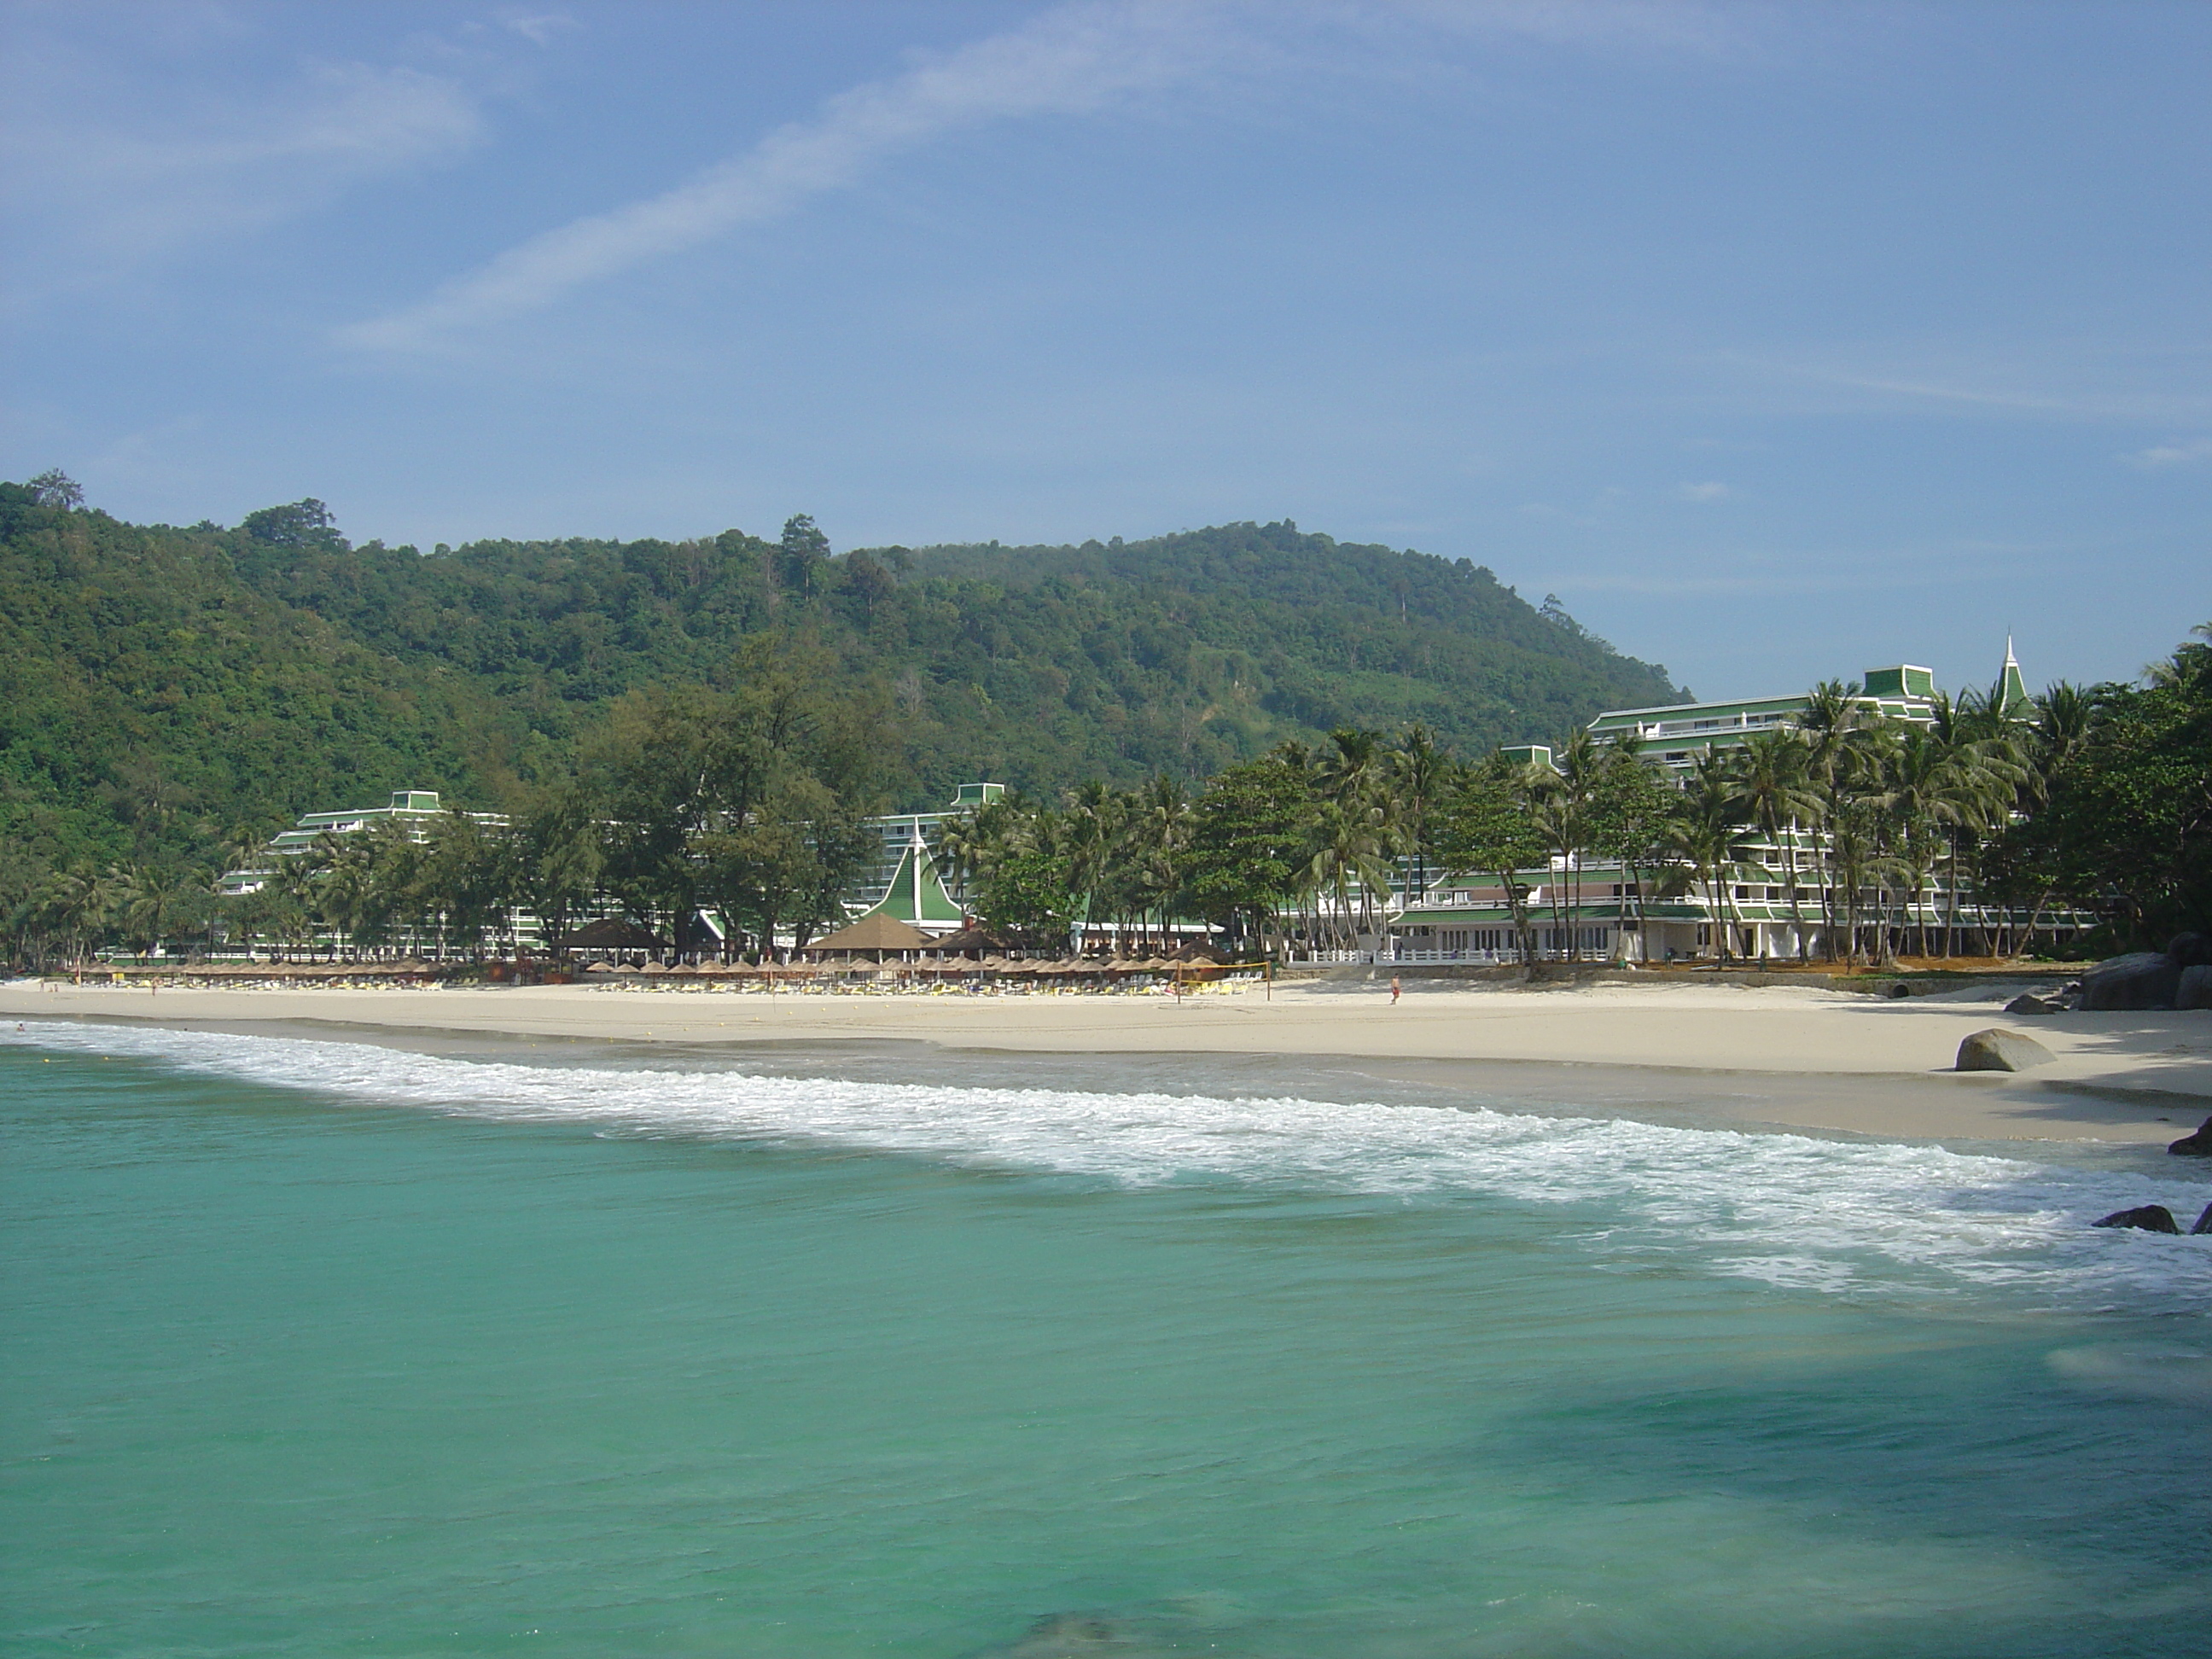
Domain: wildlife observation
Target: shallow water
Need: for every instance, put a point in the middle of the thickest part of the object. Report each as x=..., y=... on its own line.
x=325, y=1347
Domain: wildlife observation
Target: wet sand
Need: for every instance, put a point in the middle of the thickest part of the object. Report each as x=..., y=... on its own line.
x=1781, y=1056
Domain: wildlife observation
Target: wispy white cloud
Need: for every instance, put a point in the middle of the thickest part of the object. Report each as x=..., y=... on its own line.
x=123, y=188
x=2058, y=382
x=1704, y=492
x=538, y=28
x=1071, y=60
x=1076, y=58
x=2195, y=453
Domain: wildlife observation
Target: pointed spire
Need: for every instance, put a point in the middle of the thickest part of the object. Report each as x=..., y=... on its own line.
x=2012, y=685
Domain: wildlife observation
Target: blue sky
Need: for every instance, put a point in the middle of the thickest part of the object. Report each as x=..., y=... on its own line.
x=1779, y=342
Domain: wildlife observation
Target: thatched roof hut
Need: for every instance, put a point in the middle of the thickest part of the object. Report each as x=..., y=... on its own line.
x=613, y=933
x=874, y=935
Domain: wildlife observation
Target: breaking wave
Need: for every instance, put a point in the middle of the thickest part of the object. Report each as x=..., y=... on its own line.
x=1855, y=1216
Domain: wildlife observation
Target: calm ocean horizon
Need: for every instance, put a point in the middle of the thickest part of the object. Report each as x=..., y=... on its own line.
x=326, y=1347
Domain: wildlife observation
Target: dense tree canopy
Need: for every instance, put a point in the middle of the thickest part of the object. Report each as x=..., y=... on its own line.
x=164, y=684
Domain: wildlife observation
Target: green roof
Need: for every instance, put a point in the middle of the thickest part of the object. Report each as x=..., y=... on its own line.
x=899, y=901
x=2012, y=688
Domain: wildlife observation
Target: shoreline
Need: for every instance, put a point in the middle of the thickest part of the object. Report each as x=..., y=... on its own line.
x=1778, y=1058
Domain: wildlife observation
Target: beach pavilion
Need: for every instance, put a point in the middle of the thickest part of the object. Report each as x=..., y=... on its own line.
x=873, y=936
x=615, y=935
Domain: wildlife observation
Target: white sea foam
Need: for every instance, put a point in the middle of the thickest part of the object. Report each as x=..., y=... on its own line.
x=1790, y=1210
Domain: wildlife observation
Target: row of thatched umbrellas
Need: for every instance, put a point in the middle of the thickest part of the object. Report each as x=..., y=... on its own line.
x=251, y=970
x=1072, y=966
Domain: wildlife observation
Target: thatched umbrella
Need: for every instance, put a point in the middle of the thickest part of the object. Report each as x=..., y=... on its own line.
x=1204, y=953
x=969, y=941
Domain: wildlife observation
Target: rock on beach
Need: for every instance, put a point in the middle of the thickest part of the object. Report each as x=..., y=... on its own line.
x=2195, y=990
x=2196, y=1146
x=1999, y=1050
x=2144, y=1217
x=2129, y=984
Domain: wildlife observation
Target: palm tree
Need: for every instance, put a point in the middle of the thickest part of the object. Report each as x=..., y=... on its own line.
x=347, y=895
x=1775, y=791
x=1091, y=826
x=1853, y=833
x=1348, y=844
x=1156, y=825
x=1581, y=764
x=1708, y=837
x=154, y=902
x=1916, y=787
x=1352, y=770
x=2057, y=735
x=2063, y=717
x=1418, y=772
x=76, y=904
x=296, y=881
x=1632, y=806
x=1832, y=722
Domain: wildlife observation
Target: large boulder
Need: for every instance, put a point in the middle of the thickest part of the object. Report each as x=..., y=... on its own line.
x=2029, y=1002
x=2203, y=1223
x=2144, y=1217
x=2195, y=990
x=2190, y=950
x=2196, y=1146
x=2146, y=979
x=1999, y=1050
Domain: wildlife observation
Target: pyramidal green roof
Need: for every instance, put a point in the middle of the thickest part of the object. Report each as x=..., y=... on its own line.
x=2012, y=687
x=917, y=894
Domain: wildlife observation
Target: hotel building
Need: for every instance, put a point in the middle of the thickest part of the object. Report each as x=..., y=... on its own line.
x=1603, y=912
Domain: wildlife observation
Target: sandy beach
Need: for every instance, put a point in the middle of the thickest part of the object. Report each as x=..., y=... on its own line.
x=1784, y=1057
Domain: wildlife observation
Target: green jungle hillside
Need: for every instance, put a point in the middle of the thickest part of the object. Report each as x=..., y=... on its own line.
x=164, y=689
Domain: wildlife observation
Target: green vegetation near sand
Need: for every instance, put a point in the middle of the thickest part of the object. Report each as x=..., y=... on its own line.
x=704, y=724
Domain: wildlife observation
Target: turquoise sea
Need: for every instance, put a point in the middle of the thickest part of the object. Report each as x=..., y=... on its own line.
x=334, y=1349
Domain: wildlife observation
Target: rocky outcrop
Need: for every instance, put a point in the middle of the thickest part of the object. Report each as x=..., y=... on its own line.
x=2179, y=976
x=2129, y=984
x=2196, y=1146
x=2195, y=990
x=2144, y=1217
x=2029, y=1002
x=2203, y=1223
x=1999, y=1050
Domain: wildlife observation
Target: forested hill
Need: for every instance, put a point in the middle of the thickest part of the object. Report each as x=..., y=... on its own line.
x=1323, y=633
x=156, y=683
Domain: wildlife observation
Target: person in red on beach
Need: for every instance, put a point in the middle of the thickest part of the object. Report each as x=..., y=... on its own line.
x=1396, y=990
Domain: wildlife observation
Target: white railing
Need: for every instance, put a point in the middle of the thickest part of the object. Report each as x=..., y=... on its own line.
x=1438, y=958
x=1385, y=958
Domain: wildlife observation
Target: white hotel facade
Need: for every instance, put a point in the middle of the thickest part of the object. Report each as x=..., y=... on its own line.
x=1621, y=916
